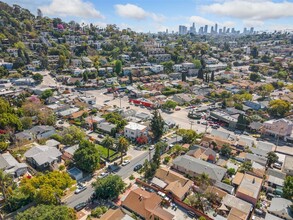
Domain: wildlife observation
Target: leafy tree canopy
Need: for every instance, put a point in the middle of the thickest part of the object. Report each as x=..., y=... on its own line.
x=48, y=212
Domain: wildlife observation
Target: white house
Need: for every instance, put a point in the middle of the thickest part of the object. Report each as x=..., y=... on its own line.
x=157, y=68
x=134, y=130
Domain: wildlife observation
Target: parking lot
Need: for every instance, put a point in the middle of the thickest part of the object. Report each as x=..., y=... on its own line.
x=179, y=117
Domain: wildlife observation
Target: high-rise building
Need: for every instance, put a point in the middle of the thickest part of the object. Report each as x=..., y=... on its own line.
x=200, y=30
x=245, y=30
x=212, y=29
x=228, y=30
x=224, y=30
x=233, y=30
x=216, y=28
x=40, y=14
x=206, y=29
x=182, y=30
x=220, y=31
x=251, y=30
x=192, y=28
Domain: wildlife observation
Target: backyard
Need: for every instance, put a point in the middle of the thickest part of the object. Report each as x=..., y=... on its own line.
x=104, y=151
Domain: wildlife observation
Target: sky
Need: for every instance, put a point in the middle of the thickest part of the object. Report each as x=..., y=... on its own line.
x=159, y=15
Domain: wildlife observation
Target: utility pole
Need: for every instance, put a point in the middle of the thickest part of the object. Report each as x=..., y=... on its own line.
x=191, y=123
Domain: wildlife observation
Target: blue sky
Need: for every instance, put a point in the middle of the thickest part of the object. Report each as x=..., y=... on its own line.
x=159, y=15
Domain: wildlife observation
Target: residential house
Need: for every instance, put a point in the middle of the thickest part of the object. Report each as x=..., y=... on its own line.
x=115, y=214
x=134, y=130
x=239, y=209
x=146, y=205
x=274, y=180
x=206, y=154
x=249, y=188
x=11, y=166
x=42, y=131
x=68, y=152
x=288, y=165
x=106, y=127
x=157, y=68
x=172, y=182
x=280, y=207
x=42, y=157
x=182, y=99
x=278, y=127
x=194, y=167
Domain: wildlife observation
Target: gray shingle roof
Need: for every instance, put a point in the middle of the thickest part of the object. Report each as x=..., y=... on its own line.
x=280, y=207
x=43, y=154
x=199, y=166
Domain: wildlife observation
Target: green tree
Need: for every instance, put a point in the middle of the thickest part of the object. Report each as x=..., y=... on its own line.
x=189, y=136
x=197, y=64
x=169, y=104
x=231, y=171
x=72, y=135
x=168, y=66
x=246, y=166
x=46, y=94
x=288, y=188
x=279, y=107
x=3, y=146
x=272, y=158
x=242, y=122
x=157, y=125
x=48, y=212
x=109, y=187
x=10, y=121
x=226, y=150
x=254, y=52
x=255, y=77
x=87, y=156
x=85, y=76
x=27, y=122
x=6, y=182
x=118, y=67
x=38, y=77
x=213, y=76
x=108, y=142
x=122, y=146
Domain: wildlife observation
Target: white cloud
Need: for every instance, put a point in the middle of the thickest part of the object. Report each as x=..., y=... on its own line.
x=75, y=8
x=200, y=21
x=135, y=12
x=251, y=9
x=253, y=23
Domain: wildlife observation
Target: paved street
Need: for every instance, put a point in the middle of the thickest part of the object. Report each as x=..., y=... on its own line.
x=124, y=172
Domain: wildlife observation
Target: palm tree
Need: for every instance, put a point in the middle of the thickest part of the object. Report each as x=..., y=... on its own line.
x=122, y=146
x=108, y=143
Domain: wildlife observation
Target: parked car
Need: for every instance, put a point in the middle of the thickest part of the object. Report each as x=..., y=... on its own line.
x=80, y=206
x=152, y=147
x=204, y=123
x=101, y=136
x=125, y=162
x=80, y=188
x=237, y=132
x=137, y=167
x=277, y=166
x=103, y=175
x=246, y=133
x=191, y=214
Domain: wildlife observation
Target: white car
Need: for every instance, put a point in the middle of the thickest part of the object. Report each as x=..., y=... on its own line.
x=80, y=188
x=152, y=147
x=103, y=175
x=125, y=162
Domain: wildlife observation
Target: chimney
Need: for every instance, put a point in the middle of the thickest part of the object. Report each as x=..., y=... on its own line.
x=140, y=197
x=253, y=181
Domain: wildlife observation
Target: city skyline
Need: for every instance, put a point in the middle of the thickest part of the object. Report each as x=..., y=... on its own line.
x=153, y=16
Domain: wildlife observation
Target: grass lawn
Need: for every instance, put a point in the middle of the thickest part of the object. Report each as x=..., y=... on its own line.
x=104, y=151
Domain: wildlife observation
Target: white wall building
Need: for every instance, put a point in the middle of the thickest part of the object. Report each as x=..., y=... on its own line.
x=134, y=130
